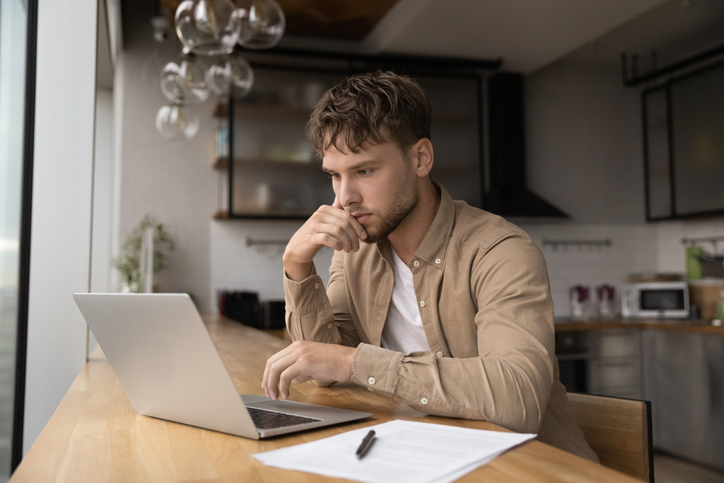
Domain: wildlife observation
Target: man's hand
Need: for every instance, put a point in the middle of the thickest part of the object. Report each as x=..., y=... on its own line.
x=303, y=361
x=329, y=226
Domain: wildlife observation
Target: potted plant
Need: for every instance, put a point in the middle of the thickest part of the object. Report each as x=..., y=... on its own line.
x=129, y=261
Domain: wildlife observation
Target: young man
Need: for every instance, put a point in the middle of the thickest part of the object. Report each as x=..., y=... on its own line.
x=430, y=301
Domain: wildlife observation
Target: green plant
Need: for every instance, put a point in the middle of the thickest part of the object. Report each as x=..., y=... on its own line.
x=129, y=261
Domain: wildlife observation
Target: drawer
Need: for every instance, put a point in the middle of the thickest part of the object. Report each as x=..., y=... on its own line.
x=615, y=343
x=614, y=373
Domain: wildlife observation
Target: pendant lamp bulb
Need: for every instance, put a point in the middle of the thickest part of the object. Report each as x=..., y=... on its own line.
x=205, y=18
x=177, y=122
x=235, y=76
x=208, y=27
x=185, y=82
x=262, y=23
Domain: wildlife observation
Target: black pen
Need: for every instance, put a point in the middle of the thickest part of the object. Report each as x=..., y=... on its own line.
x=366, y=444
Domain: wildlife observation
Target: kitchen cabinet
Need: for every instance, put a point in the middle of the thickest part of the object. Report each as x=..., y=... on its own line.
x=683, y=160
x=273, y=171
x=684, y=380
x=678, y=365
x=614, y=368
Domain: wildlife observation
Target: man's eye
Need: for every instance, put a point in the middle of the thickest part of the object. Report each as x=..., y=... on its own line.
x=334, y=176
x=364, y=172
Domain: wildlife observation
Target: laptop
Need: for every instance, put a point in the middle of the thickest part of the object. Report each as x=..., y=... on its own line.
x=164, y=358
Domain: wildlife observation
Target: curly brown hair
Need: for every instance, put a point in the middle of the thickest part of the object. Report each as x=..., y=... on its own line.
x=371, y=108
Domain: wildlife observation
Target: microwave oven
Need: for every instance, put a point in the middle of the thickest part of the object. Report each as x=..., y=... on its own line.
x=655, y=299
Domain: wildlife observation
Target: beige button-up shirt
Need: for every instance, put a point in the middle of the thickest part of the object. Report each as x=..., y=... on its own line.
x=484, y=298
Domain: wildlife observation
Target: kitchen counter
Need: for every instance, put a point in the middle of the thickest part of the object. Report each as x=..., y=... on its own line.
x=566, y=324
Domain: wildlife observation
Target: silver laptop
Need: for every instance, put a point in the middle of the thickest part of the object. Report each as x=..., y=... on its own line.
x=163, y=356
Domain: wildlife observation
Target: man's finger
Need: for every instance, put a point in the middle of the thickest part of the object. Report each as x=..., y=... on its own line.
x=265, y=379
x=287, y=376
x=354, y=228
x=343, y=233
x=275, y=371
x=344, y=217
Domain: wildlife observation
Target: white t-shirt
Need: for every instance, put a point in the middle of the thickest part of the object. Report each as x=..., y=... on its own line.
x=403, y=331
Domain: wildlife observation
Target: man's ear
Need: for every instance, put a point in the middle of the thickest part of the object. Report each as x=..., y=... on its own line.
x=421, y=152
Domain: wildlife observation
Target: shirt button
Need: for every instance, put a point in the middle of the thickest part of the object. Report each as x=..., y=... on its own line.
x=415, y=263
x=316, y=286
x=422, y=303
x=438, y=261
x=329, y=326
x=439, y=353
x=370, y=389
x=372, y=381
x=423, y=400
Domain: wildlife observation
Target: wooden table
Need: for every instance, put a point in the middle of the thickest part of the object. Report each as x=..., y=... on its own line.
x=95, y=435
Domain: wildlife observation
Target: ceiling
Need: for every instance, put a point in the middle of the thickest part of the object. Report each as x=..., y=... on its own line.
x=530, y=34
x=526, y=34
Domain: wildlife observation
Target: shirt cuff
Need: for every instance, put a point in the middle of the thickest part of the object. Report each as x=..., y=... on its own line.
x=305, y=296
x=376, y=368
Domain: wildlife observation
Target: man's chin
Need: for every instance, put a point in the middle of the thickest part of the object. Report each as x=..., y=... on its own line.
x=372, y=236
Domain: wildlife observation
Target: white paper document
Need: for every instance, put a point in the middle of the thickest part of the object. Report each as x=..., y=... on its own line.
x=403, y=451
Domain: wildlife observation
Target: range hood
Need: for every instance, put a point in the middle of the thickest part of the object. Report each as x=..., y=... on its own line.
x=508, y=194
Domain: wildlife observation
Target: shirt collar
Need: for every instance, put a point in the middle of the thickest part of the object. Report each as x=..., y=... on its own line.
x=434, y=245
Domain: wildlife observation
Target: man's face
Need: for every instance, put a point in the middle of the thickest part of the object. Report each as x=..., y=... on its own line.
x=377, y=186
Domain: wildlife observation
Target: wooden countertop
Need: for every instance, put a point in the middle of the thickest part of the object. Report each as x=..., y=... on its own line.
x=676, y=325
x=95, y=434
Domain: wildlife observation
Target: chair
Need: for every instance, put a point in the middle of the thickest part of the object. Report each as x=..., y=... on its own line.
x=618, y=430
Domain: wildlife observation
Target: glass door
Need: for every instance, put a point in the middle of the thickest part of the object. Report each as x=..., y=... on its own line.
x=13, y=34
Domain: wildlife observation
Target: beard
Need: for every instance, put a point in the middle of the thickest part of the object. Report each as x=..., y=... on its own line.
x=403, y=203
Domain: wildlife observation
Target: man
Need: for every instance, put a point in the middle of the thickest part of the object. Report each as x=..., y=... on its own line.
x=430, y=301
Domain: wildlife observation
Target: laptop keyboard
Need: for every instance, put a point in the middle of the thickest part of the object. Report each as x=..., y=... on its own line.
x=264, y=419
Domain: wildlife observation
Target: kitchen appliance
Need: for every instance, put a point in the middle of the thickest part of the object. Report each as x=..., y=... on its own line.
x=572, y=354
x=606, y=294
x=579, y=301
x=655, y=299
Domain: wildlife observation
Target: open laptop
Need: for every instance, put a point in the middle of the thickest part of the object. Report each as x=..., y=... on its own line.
x=164, y=358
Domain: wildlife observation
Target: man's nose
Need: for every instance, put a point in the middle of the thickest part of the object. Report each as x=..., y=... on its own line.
x=347, y=193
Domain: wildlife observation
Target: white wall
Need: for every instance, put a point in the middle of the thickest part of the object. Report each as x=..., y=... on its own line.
x=169, y=180
x=61, y=212
x=633, y=250
x=102, y=193
x=117, y=159
x=236, y=266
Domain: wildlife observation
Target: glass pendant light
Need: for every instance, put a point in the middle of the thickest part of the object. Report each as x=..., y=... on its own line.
x=185, y=83
x=208, y=27
x=176, y=122
x=262, y=23
x=234, y=75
